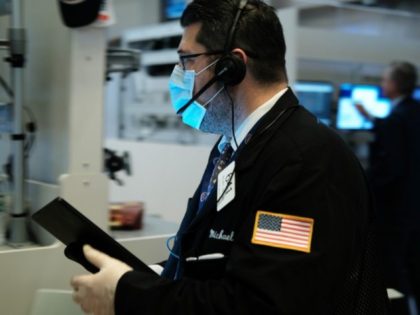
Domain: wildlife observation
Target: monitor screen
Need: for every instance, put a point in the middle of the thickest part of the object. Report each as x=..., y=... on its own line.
x=416, y=94
x=370, y=96
x=172, y=9
x=316, y=97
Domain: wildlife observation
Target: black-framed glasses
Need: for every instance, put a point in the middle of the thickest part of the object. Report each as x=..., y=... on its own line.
x=183, y=58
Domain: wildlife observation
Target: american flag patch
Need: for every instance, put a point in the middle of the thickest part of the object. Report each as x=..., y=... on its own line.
x=283, y=231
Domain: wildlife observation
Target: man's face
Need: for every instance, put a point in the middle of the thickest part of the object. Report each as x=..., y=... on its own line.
x=188, y=46
x=218, y=116
x=389, y=87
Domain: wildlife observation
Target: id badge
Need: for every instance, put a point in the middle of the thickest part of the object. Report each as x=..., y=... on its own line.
x=226, y=186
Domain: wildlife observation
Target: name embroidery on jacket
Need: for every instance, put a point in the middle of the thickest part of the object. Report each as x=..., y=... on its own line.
x=221, y=235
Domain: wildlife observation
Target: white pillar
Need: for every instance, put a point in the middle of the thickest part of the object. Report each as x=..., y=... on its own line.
x=289, y=20
x=64, y=88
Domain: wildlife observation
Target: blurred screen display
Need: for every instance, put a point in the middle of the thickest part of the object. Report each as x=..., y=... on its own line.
x=172, y=9
x=316, y=97
x=369, y=96
x=416, y=94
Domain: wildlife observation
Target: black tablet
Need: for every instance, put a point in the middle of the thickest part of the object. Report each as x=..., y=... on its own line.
x=73, y=229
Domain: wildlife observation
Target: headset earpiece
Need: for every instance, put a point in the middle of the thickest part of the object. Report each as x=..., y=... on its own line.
x=230, y=70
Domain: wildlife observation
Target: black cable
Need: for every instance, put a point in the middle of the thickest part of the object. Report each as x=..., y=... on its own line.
x=233, y=118
x=31, y=128
x=229, y=181
x=169, y=247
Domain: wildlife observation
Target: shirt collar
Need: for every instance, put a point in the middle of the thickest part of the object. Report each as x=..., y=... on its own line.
x=245, y=127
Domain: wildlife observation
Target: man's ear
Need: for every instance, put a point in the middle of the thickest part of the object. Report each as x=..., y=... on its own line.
x=238, y=52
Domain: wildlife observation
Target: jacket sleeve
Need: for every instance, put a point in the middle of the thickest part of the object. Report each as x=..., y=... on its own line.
x=390, y=131
x=258, y=279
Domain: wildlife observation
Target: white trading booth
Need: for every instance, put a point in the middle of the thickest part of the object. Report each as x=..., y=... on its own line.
x=64, y=87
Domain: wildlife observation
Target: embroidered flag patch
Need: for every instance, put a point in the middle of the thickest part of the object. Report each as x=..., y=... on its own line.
x=283, y=231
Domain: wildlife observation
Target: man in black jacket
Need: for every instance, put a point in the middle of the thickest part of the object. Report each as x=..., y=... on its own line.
x=282, y=221
x=395, y=176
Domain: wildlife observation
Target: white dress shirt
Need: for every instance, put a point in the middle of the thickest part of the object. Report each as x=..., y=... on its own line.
x=249, y=122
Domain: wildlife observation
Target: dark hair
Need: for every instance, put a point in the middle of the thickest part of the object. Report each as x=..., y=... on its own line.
x=404, y=74
x=258, y=32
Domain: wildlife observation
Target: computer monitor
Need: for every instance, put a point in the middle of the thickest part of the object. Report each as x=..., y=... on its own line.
x=416, y=94
x=370, y=96
x=172, y=9
x=316, y=97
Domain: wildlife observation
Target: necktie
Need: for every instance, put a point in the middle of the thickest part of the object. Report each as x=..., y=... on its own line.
x=174, y=267
x=220, y=164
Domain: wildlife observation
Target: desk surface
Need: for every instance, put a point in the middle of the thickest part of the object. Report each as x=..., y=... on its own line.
x=28, y=269
x=152, y=226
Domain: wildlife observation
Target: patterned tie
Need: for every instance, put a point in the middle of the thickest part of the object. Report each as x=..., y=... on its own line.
x=220, y=164
x=174, y=267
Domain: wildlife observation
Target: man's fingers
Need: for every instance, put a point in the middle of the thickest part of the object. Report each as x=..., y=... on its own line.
x=94, y=256
x=80, y=281
x=78, y=295
x=82, y=297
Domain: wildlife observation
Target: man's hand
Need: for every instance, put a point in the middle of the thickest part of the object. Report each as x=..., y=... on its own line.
x=95, y=293
x=362, y=110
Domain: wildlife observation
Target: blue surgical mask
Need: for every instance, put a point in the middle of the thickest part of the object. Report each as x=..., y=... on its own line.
x=181, y=87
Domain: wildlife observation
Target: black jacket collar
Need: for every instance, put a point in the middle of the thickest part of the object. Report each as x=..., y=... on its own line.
x=251, y=147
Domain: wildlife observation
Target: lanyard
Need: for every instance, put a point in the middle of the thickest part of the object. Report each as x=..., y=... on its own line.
x=248, y=138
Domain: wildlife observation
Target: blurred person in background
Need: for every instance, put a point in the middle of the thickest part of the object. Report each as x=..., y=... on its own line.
x=395, y=178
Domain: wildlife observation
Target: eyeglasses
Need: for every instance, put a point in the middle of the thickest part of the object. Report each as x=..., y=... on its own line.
x=184, y=58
